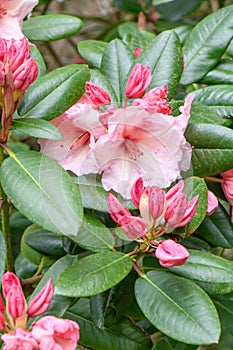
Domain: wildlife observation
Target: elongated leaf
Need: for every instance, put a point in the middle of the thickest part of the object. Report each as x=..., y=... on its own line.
x=162, y=344
x=99, y=304
x=94, y=274
x=55, y=92
x=165, y=71
x=43, y=192
x=117, y=60
x=171, y=301
x=206, y=44
x=221, y=74
x=213, y=273
x=224, y=305
x=38, y=128
x=94, y=236
x=213, y=148
x=51, y=27
x=115, y=336
x=92, y=51
x=160, y=2
x=196, y=186
x=133, y=37
x=217, y=228
x=35, y=53
x=203, y=114
x=3, y=254
x=174, y=11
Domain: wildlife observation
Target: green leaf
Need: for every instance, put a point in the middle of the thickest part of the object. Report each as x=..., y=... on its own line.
x=162, y=344
x=38, y=128
x=213, y=273
x=129, y=5
x=92, y=51
x=133, y=37
x=51, y=27
x=160, y=2
x=224, y=305
x=116, y=62
x=114, y=336
x=55, y=92
x=221, y=74
x=206, y=44
x=42, y=191
x=94, y=274
x=175, y=10
x=217, y=228
x=196, y=186
x=3, y=255
x=94, y=235
x=170, y=301
x=203, y=114
x=218, y=97
x=35, y=53
x=213, y=148
x=99, y=304
x=165, y=71
x=99, y=78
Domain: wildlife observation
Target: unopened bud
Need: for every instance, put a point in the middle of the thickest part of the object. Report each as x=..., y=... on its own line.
x=139, y=80
x=41, y=301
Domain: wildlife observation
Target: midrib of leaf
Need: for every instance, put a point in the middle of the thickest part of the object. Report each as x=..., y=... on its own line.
x=177, y=305
x=222, y=306
x=99, y=238
x=207, y=38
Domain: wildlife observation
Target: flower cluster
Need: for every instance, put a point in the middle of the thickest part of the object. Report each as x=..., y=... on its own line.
x=46, y=333
x=160, y=213
x=141, y=139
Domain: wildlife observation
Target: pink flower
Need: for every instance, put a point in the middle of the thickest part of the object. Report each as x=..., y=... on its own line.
x=212, y=203
x=15, y=302
x=152, y=205
x=138, y=144
x=137, y=51
x=2, y=321
x=53, y=333
x=20, y=340
x=227, y=185
x=12, y=13
x=171, y=253
x=179, y=210
x=155, y=101
x=41, y=301
x=139, y=80
x=79, y=126
x=97, y=95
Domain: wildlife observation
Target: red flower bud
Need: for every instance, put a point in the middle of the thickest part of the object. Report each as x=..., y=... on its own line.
x=41, y=301
x=137, y=51
x=116, y=209
x=139, y=80
x=15, y=302
x=9, y=280
x=97, y=95
x=136, y=192
x=212, y=203
x=171, y=253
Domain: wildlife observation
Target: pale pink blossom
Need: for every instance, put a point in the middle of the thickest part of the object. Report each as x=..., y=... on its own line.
x=212, y=203
x=12, y=13
x=41, y=301
x=139, y=80
x=137, y=51
x=53, y=333
x=80, y=127
x=179, y=209
x=182, y=120
x=20, y=340
x=171, y=253
x=97, y=95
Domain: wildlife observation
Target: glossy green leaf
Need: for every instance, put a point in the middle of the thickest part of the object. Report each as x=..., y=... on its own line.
x=129, y=5
x=38, y=128
x=117, y=60
x=133, y=37
x=193, y=242
x=217, y=228
x=158, y=56
x=203, y=114
x=99, y=304
x=221, y=74
x=206, y=44
x=196, y=186
x=213, y=273
x=92, y=51
x=224, y=305
x=173, y=300
x=94, y=274
x=51, y=27
x=213, y=148
x=94, y=235
x=42, y=191
x=162, y=344
x=160, y=2
x=55, y=92
x=174, y=11
x=114, y=336
x=3, y=254
x=35, y=53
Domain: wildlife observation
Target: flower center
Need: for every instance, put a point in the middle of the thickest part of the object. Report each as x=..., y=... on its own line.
x=3, y=12
x=80, y=141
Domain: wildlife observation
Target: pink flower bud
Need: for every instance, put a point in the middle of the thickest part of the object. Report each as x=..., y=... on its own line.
x=227, y=174
x=2, y=306
x=136, y=192
x=133, y=226
x=25, y=75
x=152, y=205
x=171, y=253
x=137, y=51
x=97, y=95
x=15, y=302
x=227, y=186
x=139, y=80
x=9, y=280
x=212, y=203
x=2, y=321
x=41, y=301
x=116, y=209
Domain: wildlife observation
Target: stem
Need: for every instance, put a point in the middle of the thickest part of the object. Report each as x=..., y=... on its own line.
x=5, y=212
x=125, y=102
x=138, y=270
x=213, y=179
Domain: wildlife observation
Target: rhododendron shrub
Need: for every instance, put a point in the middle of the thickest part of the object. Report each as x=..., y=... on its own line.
x=116, y=181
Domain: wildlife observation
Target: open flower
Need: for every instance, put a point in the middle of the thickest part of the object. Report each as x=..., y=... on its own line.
x=171, y=253
x=12, y=13
x=20, y=340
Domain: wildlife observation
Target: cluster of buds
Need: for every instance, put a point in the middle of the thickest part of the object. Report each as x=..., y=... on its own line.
x=48, y=332
x=17, y=73
x=160, y=213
